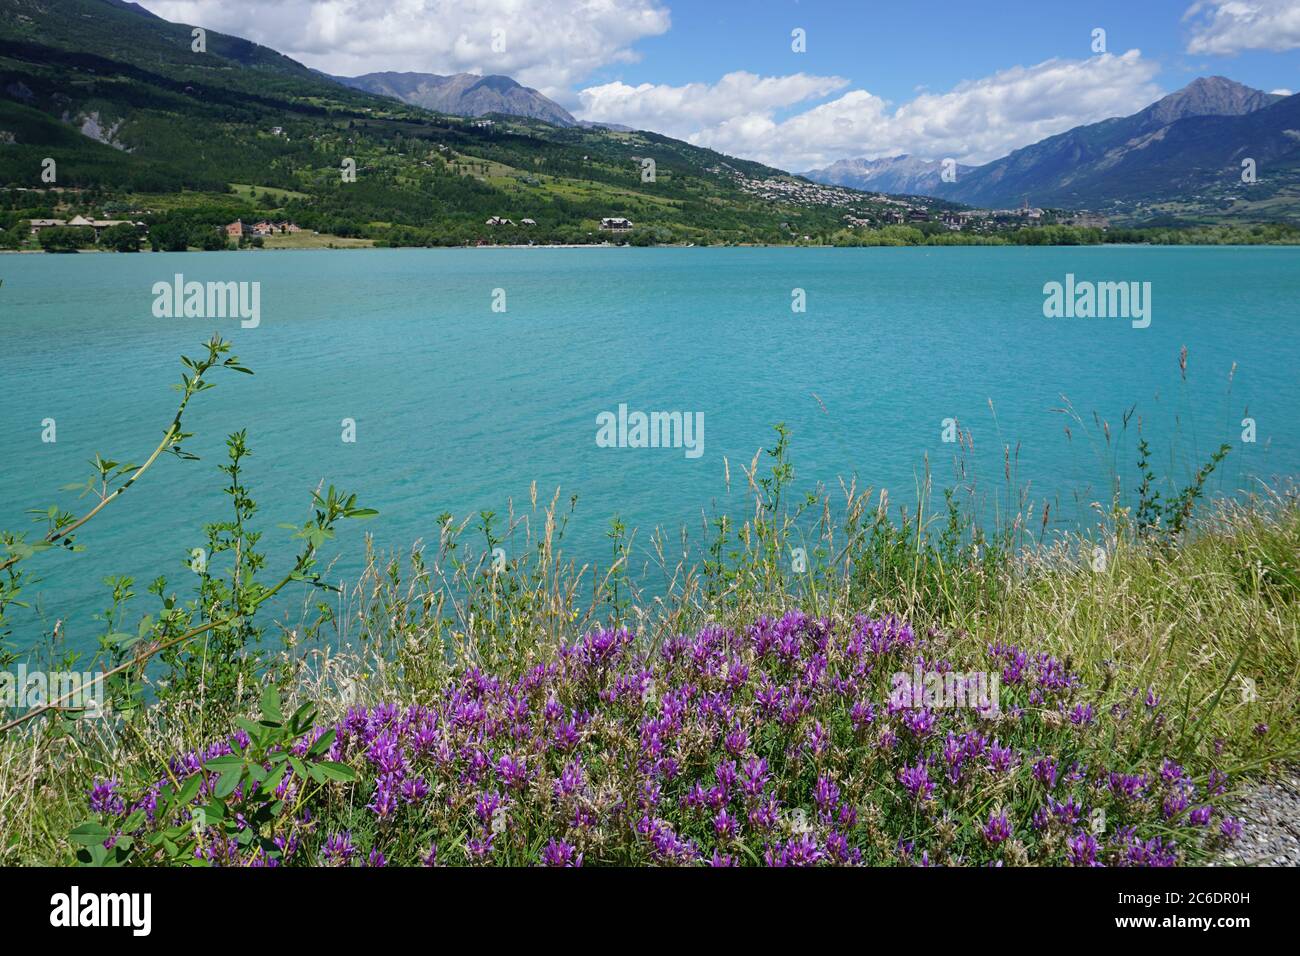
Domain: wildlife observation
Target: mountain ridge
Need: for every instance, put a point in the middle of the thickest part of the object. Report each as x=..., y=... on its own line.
x=189, y=141
x=1119, y=163
x=462, y=94
x=147, y=114
x=903, y=174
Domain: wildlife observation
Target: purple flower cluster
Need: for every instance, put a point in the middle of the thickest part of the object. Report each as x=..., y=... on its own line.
x=777, y=744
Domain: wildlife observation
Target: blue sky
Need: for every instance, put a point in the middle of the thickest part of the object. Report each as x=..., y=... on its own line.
x=893, y=47
x=936, y=79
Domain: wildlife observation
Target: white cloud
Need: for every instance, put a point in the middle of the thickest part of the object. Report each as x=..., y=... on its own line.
x=974, y=122
x=683, y=110
x=549, y=44
x=1230, y=26
x=1282, y=91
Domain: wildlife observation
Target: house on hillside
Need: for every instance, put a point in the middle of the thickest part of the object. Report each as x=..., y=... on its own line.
x=615, y=224
x=500, y=221
x=99, y=225
x=239, y=229
x=38, y=224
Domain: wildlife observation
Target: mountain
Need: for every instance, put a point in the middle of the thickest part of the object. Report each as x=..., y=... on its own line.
x=1181, y=156
x=1155, y=153
x=617, y=127
x=1206, y=96
x=903, y=175
x=136, y=120
x=126, y=32
x=463, y=94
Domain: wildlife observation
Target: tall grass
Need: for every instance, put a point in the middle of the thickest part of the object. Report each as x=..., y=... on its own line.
x=1199, y=606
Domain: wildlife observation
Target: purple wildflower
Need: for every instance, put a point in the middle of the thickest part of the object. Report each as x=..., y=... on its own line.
x=1081, y=849
x=561, y=853
x=917, y=781
x=105, y=799
x=338, y=849
x=998, y=828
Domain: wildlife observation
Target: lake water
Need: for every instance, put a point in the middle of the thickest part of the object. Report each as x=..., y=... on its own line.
x=459, y=407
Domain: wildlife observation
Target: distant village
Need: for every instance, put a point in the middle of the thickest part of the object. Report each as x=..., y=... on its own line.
x=240, y=229
x=861, y=211
x=235, y=230
x=901, y=211
x=607, y=223
x=81, y=222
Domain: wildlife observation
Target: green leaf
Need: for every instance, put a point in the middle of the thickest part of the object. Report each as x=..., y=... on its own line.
x=224, y=763
x=337, y=771
x=90, y=834
x=271, y=706
x=273, y=779
x=190, y=788
x=228, y=781
x=255, y=731
x=323, y=744
x=302, y=718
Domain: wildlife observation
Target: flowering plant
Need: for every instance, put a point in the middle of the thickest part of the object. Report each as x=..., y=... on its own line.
x=779, y=744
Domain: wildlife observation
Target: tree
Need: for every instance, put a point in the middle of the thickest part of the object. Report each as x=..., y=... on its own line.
x=123, y=237
x=65, y=239
x=169, y=236
x=214, y=240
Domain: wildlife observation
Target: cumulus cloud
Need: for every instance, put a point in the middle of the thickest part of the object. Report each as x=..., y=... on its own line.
x=975, y=122
x=548, y=44
x=1230, y=26
x=683, y=110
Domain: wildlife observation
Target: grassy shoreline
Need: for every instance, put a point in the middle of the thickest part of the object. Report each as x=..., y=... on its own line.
x=1157, y=646
x=487, y=701
x=350, y=245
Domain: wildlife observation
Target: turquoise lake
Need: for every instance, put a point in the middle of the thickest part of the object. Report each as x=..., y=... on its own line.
x=458, y=408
